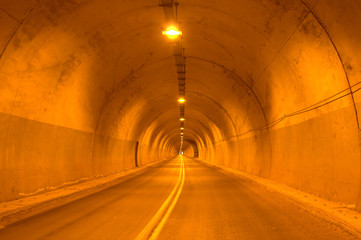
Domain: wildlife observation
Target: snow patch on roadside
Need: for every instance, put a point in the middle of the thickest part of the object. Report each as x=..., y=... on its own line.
x=343, y=215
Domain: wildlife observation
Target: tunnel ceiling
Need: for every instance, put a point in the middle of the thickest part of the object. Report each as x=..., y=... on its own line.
x=103, y=65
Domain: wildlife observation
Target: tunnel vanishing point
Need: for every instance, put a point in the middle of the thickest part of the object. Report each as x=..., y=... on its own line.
x=90, y=87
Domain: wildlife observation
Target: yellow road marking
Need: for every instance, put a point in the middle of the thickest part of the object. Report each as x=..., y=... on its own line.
x=156, y=224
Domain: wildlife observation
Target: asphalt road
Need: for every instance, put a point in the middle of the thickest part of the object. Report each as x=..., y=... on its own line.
x=203, y=203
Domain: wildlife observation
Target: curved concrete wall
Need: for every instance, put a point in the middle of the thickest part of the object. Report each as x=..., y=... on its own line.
x=268, y=90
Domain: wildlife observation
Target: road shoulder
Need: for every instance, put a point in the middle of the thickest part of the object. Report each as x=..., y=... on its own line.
x=16, y=210
x=337, y=213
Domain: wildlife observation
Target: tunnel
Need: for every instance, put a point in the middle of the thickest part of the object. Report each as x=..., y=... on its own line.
x=89, y=88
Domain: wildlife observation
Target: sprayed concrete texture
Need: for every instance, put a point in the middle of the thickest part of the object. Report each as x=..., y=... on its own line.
x=90, y=87
x=321, y=162
x=48, y=156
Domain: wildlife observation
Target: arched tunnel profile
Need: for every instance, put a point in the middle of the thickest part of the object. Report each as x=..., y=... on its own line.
x=183, y=114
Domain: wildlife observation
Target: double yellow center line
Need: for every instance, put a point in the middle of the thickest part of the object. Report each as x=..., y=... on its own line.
x=156, y=224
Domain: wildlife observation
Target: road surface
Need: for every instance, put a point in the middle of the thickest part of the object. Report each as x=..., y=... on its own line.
x=180, y=199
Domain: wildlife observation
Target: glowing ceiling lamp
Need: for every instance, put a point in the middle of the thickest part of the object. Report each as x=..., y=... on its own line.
x=172, y=32
x=181, y=100
x=182, y=119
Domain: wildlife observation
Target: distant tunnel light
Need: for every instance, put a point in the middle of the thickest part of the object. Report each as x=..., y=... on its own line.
x=172, y=32
x=181, y=100
x=181, y=133
x=182, y=128
x=182, y=119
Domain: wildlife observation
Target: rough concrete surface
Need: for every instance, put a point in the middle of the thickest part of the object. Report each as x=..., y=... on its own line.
x=90, y=87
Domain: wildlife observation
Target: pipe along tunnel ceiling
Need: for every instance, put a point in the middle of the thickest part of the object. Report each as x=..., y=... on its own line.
x=271, y=89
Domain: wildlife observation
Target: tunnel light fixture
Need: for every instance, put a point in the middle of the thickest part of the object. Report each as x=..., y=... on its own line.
x=182, y=119
x=172, y=32
x=181, y=133
x=181, y=100
x=182, y=128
